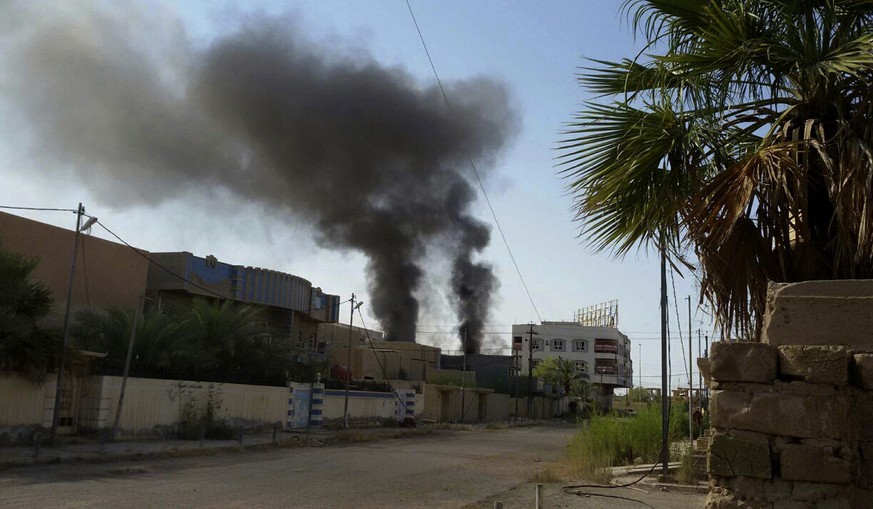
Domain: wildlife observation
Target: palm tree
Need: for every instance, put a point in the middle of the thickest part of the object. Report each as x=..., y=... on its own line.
x=224, y=340
x=560, y=372
x=743, y=137
x=156, y=347
x=25, y=348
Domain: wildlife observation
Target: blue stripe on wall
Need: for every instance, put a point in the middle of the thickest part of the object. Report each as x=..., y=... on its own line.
x=360, y=394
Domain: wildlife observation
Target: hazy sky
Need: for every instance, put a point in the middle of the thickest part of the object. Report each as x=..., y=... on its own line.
x=534, y=49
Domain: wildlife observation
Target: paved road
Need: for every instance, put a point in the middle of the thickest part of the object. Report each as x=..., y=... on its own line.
x=444, y=469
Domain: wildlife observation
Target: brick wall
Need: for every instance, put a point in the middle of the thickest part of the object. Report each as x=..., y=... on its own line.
x=792, y=423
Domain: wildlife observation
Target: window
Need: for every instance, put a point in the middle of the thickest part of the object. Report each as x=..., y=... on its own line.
x=581, y=366
x=579, y=345
x=557, y=345
x=516, y=340
x=537, y=344
x=534, y=363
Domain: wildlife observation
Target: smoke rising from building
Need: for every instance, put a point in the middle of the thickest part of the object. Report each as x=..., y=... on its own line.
x=372, y=160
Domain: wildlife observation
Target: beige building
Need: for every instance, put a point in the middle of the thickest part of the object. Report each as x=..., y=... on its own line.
x=106, y=274
x=289, y=305
x=603, y=354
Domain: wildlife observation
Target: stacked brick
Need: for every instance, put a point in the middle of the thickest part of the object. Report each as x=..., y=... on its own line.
x=792, y=427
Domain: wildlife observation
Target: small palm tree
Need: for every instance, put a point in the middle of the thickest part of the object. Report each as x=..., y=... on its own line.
x=743, y=137
x=109, y=331
x=25, y=348
x=560, y=372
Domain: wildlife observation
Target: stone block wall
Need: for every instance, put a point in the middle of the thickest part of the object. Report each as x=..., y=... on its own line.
x=792, y=426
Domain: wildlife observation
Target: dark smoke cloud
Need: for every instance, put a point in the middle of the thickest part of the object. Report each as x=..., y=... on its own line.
x=372, y=160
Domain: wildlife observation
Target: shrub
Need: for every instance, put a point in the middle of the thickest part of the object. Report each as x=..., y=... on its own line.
x=608, y=440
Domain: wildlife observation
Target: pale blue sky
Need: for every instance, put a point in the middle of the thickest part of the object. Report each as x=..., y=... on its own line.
x=535, y=48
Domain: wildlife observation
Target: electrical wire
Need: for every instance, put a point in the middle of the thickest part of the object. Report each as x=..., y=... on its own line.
x=568, y=490
x=168, y=271
x=679, y=324
x=9, y=207
x=473, y=166
x=403, y=403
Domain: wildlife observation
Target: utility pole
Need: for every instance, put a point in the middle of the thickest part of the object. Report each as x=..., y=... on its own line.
x=706, y=354
x=665, y=416
x=531, y=334
x=640, y=376
x=60, y=378
x=464, y=378
x=699, y=373
x=690, y=378
x=516, y=354
x=126, y=368
x=348, y=363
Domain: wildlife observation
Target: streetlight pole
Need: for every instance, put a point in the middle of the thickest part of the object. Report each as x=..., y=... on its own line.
x=349, y=362
x=66, y=334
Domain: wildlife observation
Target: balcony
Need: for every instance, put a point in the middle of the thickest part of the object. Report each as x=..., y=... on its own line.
x=605, y=348
x=605, y=370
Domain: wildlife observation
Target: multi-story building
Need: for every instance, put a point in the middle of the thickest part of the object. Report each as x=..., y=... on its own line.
x=289, y=305
x=106, y=274
x=600, y=353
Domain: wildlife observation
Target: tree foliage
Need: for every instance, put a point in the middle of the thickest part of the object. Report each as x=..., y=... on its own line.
x=741, y=133
x=220, y=342
x=563, y=373
x=25, y=347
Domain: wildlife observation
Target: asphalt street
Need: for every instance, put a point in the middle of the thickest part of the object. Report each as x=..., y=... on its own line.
x=442, y=469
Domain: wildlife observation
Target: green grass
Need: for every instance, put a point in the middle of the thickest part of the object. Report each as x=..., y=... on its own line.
x=606, y=441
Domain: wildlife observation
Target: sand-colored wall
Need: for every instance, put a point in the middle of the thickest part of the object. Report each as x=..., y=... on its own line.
x=153, y=403
x=24, y=403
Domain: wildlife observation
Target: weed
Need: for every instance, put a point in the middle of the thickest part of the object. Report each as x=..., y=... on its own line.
x=202, y=420
x=687, y=473
x=608, y=440
x=546, y=476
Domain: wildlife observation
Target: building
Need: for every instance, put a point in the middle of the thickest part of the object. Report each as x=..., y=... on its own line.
x=336, y=335
x=492, y=371
x=601, y=353
x=106, y=274
x=290, y=306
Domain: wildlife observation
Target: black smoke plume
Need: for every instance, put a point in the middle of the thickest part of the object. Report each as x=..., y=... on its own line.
x=372, y=160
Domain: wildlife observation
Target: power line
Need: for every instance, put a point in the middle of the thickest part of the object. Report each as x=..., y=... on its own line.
x=679, y=324
x=403, y=403
x=168, y=271
x=9, y=207
x=473, y=165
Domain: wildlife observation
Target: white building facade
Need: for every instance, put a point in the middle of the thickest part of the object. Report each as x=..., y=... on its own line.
x=601, y=353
